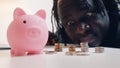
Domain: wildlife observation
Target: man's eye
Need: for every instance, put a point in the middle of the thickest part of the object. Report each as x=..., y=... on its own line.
x=89, y=14
x=70, y=23
x=87, y=26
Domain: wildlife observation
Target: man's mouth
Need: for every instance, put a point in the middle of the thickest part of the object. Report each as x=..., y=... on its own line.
x=88, y=38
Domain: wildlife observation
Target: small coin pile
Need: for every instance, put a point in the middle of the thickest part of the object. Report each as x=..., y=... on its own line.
x=58, y=47
x=50, y=52
x=99, y=49
x=84, y=50
x=71, y=50
x=84, y=46
x=82, y=54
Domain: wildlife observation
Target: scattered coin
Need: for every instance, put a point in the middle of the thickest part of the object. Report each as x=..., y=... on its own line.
x=70, y=53
x=78, y=51
x=81, y=54
x=99, y=49
x=50, y=52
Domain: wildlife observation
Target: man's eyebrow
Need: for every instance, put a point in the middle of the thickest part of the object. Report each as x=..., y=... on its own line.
x=66, y=17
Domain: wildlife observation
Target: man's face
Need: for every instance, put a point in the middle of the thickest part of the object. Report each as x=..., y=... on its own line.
x=80, y=25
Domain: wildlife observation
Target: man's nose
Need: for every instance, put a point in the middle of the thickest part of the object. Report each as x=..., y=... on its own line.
x=83, y=27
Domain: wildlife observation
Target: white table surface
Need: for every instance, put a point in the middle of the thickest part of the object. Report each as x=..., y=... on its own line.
x=109, y=59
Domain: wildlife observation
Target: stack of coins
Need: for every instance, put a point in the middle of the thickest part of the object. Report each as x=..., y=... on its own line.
x=99, y=49
x=84, y=46
x=58, y=47
x=71, y=50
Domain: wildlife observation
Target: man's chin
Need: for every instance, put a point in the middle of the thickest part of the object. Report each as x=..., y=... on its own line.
x=87, y=40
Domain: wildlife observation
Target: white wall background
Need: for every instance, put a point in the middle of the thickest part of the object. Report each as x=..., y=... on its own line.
x=29, y=6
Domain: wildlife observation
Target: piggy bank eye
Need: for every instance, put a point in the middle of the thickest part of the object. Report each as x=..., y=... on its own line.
x=24, y=22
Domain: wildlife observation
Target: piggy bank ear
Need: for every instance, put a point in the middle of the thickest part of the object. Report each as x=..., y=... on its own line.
x=41, y=13
x=18, y=12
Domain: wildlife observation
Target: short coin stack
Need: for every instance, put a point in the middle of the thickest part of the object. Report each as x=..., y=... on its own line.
x=50, y=52
x=71, y=50
x=58, y=47
x=84, y=46
x=99, y=49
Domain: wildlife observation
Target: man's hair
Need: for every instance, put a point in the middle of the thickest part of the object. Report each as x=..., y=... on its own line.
x=102, y=7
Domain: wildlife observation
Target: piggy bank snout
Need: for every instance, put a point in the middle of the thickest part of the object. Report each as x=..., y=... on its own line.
x=33, y=32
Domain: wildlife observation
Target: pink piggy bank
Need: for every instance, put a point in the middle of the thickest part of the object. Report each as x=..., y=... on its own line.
x=27, y=34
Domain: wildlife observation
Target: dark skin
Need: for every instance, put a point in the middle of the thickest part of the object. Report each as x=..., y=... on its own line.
x=94, y=21
x=81, y=25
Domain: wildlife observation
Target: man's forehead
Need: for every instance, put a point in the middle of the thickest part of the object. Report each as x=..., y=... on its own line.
x=74, y=14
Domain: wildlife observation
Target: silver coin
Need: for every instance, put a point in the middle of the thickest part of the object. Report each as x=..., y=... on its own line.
x=78, y=51
x=50, y=52
x=82, y=54
x=99, y=49
x=70, y=53
x=84, y=49
x=84, y=46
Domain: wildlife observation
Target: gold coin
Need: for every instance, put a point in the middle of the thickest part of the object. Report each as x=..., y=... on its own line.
x=58, y=47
